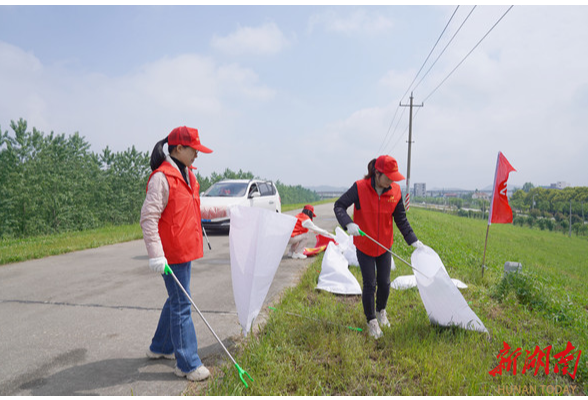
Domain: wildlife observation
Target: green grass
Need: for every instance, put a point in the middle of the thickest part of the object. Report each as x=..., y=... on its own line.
x=545, y=305
x=16, y=250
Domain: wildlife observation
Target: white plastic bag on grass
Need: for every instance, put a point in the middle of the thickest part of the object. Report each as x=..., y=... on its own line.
x=335, y=276
x=409, y=281
x=444, y=303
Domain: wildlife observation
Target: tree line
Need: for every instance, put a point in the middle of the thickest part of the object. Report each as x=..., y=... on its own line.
x=551, y=209
x=535, y=207
x=53, y=183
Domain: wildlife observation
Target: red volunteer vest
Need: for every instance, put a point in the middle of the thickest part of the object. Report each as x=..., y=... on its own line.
x=298, y=228
x=375, y=217
x=179, y=226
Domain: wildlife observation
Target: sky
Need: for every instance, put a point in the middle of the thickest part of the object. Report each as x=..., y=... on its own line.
x=308, y=95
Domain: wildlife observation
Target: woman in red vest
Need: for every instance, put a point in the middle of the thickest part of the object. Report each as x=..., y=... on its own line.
x=170, y=219
x=377, y=201
x=299, y=233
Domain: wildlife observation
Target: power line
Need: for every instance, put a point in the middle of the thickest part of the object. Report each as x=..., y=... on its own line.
x=445, y=48
x=467, y=55
x=395, y=128
x=431, y=52
x=461, y=62
x=382, y=146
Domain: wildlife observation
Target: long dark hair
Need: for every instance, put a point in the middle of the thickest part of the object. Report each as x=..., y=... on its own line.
x=371, y=169
x=308, y=212
x=157, y=155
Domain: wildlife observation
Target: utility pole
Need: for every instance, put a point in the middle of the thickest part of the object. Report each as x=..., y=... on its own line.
x=570, y=218
x=409, y=145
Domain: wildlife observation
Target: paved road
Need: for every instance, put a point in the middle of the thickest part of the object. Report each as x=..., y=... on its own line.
x=79, y=323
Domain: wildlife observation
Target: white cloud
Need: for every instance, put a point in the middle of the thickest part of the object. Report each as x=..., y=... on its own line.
x=358, y=21
x=22, y=82
x=236, y=80
x=523, y=91
x=266, y=39
x=17, y=61
x=136, y=109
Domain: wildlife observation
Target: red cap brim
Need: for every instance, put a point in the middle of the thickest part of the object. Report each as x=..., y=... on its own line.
x=396, y=176
x=203, y=149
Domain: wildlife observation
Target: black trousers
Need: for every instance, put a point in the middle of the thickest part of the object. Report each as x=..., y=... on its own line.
x=376, y=274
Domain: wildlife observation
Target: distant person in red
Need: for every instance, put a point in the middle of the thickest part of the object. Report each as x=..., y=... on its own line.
x=377, y=201
x=300, y=235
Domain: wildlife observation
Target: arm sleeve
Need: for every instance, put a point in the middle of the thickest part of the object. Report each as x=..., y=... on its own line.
x=153, y=206
x=403, y=224
x=348, y=198
x=308, y=224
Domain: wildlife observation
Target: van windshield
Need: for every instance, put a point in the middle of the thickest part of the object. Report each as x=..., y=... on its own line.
x=226, y=189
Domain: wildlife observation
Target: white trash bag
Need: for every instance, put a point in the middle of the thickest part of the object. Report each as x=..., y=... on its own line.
x=257, y=240
x=409, y=281
x=335, y=276
x=404, y=282
x=346, y=246
x=444, y=303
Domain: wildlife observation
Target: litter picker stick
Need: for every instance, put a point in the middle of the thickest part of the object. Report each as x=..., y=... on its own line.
x=206, y=236
x=362, y=233
x=485, y=244
x=318, y=320
x=241, y=371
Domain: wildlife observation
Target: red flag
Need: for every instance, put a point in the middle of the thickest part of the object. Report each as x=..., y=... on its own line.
x=500, y=211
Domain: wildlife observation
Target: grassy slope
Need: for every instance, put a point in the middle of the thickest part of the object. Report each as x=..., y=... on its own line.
x=548, y=305
x=16, y=250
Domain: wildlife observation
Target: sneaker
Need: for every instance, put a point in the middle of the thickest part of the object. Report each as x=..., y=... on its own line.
x=374, y=329
x=199, y=374
x=155, y=356
x=382, y=318
x=299, y=256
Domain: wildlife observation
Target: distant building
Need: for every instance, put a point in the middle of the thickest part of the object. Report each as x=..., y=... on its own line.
x=559, y=185
x=481, y=195
x=420, y=189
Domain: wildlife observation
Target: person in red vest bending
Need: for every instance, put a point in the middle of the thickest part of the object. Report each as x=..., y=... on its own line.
x=300, y=233
x=377, y=201
x=172, y=231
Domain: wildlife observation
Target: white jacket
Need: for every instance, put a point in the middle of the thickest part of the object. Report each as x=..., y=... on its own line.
x=153, y=206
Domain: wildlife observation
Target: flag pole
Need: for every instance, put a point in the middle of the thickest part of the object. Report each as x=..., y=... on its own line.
x=484, y=257
x=490, y=213
x=503, y=210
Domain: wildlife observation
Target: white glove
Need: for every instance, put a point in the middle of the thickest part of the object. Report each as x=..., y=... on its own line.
x=417, y=245
x=157, y=264
x=353, y=229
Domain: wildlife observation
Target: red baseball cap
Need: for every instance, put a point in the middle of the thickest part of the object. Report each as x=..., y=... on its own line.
x=186, y=137
x=311, y=209
x=389, y=167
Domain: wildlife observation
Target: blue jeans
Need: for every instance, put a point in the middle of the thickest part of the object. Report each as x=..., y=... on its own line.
x=175, y=332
